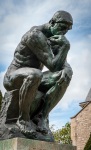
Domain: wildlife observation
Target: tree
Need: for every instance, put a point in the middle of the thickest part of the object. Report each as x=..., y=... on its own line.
x=63, y=135
x=88, y=144
x=0, y=98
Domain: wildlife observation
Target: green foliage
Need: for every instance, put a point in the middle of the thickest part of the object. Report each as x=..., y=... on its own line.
x=0, y=98
x=88, y=144
x=64, y=134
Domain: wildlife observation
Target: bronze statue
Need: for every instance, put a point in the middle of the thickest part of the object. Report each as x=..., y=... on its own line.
x=38, y=92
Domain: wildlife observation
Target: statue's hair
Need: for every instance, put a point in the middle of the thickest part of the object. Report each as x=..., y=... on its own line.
x=61, y=15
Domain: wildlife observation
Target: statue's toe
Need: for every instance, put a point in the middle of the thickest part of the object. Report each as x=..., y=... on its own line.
x=42, y=130
x=26, y=128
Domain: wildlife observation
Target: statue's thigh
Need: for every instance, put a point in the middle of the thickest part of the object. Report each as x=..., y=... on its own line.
x=16, y=78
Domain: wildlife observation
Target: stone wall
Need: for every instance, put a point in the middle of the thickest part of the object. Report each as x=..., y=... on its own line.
x=27, y=144
x=81, y=127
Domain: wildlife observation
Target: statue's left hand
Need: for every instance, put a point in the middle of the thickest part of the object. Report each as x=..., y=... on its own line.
x=65, y=76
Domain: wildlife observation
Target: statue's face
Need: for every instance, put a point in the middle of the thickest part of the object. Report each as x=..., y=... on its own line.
x=60, y=28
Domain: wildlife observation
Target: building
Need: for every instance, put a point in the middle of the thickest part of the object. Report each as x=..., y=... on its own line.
x=81, y=124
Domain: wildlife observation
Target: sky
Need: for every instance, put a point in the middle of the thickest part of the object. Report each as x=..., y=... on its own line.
x=17, y=17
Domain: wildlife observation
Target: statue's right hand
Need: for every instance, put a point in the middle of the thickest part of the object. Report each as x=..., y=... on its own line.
x=59, y=40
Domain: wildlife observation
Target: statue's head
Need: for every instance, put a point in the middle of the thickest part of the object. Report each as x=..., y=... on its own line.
x=61, y=22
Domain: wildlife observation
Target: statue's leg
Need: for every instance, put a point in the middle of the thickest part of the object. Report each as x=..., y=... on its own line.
x=27, y=80
x=27, y=94
x=53, y=95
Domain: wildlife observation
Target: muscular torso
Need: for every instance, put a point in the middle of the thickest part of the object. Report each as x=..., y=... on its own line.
x=34, y=51
x=23, y=56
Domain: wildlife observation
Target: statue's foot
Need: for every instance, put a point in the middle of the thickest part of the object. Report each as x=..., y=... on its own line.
x=42, y=129
x=27, y=128
x=42, y=124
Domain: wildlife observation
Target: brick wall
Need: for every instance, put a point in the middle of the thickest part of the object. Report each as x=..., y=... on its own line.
x=81, y=127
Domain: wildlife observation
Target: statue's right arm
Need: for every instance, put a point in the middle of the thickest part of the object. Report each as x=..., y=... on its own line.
x=38, y=44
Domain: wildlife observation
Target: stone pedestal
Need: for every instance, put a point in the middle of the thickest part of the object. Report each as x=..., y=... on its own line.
x=27, y=144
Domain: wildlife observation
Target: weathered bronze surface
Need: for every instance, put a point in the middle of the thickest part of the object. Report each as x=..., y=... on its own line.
x=32, y=94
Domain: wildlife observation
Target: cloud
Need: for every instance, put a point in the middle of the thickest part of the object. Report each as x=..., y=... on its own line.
x=59, y=117
x=81, y=80
x=17, y=17
x=16, y=21
x=79, y=59
x=1, y=82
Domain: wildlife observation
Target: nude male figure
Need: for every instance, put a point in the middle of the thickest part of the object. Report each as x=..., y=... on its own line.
x=43, y=45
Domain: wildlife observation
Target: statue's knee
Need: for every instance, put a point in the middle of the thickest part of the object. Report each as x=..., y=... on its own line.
x=7, y=83
x=34, y=78
x=39, y=74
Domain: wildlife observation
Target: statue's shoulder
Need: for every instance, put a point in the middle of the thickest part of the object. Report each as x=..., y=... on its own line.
x=26, y=35
x=34, y=31
x=29, y=32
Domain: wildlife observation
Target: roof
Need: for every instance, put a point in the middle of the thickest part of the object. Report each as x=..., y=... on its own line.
x=81, y=109
x=88, y=98
x=85, y=103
